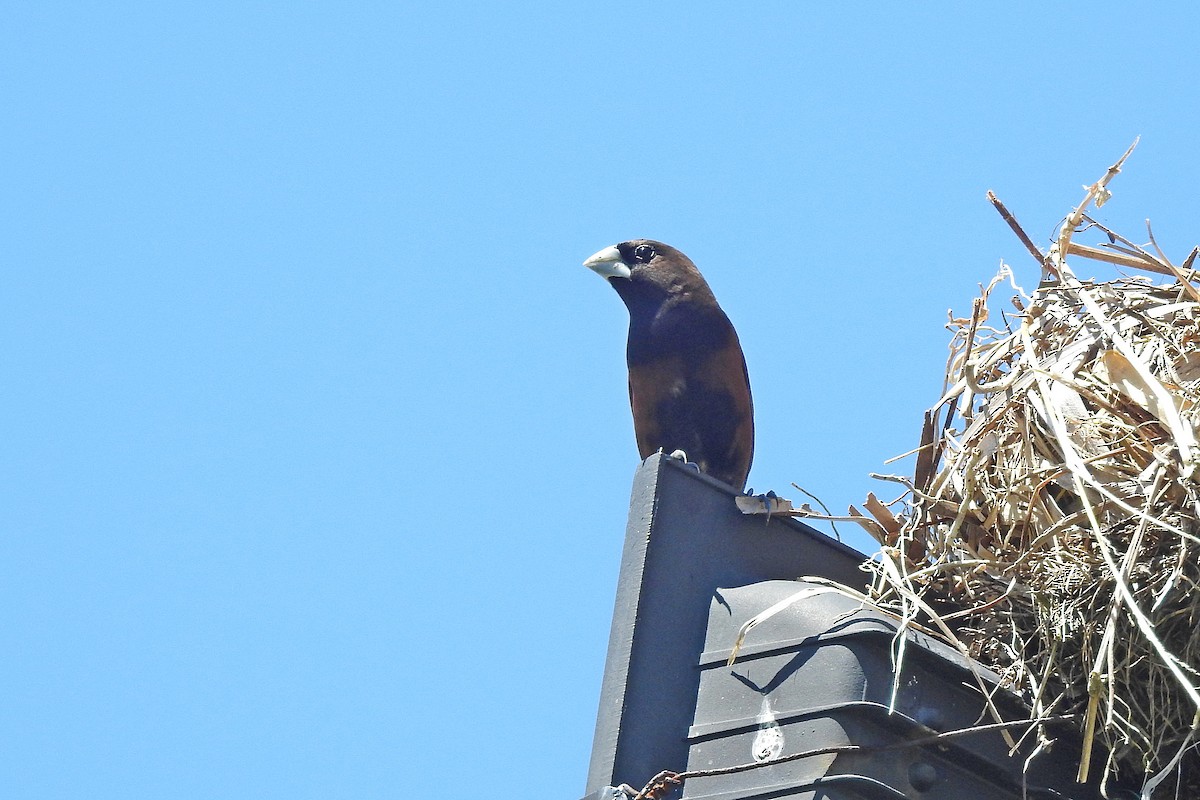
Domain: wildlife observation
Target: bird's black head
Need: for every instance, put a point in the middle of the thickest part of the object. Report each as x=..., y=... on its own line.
x=637, y=255
x=646, y=271
x=640, y=251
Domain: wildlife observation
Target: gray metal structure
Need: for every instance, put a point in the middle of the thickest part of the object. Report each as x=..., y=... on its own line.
x=685, y=539
x=692, y=571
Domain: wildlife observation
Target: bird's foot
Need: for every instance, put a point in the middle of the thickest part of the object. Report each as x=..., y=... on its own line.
x=679, y=455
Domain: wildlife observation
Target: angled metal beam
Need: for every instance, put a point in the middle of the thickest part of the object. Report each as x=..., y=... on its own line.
x=685, y=539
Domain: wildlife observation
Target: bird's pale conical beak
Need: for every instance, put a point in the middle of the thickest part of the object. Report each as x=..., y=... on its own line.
x=608, y=263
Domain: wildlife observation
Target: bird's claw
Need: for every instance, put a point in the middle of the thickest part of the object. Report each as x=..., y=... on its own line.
x=679, y=455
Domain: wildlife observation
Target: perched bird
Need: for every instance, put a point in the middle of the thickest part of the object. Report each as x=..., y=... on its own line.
x=687, y=376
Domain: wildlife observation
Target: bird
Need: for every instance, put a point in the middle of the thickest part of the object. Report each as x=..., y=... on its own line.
x=688, y=384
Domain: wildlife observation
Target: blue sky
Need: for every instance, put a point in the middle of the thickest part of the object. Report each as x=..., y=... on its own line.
x=316, y=446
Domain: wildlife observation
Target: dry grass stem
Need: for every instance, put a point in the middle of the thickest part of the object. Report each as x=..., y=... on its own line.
x=1051, y=529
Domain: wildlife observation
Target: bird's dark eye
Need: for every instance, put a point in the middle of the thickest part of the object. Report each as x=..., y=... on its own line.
x=643, y=253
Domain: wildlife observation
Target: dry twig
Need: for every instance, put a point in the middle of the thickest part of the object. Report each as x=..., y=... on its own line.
x=1055, y=508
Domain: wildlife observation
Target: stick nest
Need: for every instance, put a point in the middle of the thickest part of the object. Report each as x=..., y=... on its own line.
x=1051, y=529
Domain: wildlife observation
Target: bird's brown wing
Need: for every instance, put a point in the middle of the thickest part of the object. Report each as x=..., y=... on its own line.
x=699, y=403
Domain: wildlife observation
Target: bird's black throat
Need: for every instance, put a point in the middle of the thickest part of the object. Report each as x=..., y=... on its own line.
x=686, y=330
